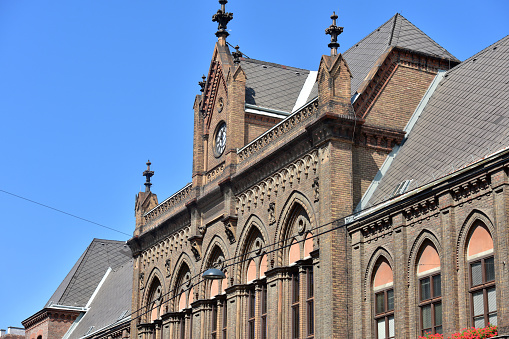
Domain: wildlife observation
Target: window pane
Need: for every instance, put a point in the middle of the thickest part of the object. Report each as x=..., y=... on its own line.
x=438, y=314
x=264, y=299
x=251, y=330
x=425, y=289
x=225, y=314
x=311, y=318
x=214, y=318
x=492, y=299
x=295, y=321
x=426, y=316
x=310, y=283
x=391, y=326
x=437, y=286
x=381, y=328
x=380, y=304
x=478, y=301
x=295, y=297
x=438, y=329
x=479, y=322
x=489, y=265
x=476, y=273
x=390, y=300
x=264, y=328
x=492, y=318
x=252, y=304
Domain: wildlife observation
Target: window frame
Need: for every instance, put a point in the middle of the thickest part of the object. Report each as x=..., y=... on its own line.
x=251, y=313
x=295, y=304
x=263, y=309
x=310, y=300
x=484, y=287
x=386, y=313
x=432, y=301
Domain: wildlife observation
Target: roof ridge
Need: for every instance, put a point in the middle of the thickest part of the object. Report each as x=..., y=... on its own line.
x=427, y=36
x=369, y=35
x=273, y=64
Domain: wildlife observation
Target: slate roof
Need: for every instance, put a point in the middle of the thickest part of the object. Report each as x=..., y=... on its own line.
x=81, y=282
x=466, y=118
x=271, y=85
x=111, y=304
x=397, y=31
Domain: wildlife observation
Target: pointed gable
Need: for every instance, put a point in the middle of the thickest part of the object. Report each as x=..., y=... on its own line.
x=396, y=32
x=465, y=119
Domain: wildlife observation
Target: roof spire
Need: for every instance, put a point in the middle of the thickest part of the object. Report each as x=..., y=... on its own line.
x=236, y=55
x=334, y=31
x=148, y=174
x=222, y=18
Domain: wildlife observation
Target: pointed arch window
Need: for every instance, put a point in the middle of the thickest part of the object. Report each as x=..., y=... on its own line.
x=384, y=300
x=430, y=290
x=481, y=262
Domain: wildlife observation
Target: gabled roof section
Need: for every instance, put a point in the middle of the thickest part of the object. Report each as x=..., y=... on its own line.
x=81, y=282
x=273, y=86
x=396, y=32
x=466, y=118
x=112, y=303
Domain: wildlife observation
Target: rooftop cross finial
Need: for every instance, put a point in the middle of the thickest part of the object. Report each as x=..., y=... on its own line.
x=202, y=83
x=222, y=18
x=334, y=31
x=148, y=174
x=236, y=55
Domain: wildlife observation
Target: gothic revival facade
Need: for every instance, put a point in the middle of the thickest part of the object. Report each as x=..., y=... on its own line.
x=367, y=199
x=357, y=201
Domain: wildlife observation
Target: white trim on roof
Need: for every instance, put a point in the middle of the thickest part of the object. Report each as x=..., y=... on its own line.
x=265, y=113
x=260, y=109
x=306, y=90
x=411, y=123
x=98, y=287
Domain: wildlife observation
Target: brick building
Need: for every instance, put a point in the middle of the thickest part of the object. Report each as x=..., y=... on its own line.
x=368, y=199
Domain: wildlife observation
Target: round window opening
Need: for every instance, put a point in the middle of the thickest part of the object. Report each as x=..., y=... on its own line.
x=220, y=140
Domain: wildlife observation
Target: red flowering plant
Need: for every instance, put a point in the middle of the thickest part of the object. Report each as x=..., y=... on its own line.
x=468, y=333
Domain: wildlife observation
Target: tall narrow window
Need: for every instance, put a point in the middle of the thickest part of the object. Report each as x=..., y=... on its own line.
x=213, y=325
x=430, y=291
x=482, y=278
x=225, y=319
x=384, y=301
x=263, y=309
x=295, y=305
x=310, y=309
x=183, y=328
x=251, y=313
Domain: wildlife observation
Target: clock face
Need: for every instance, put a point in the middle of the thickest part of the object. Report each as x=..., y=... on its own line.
x=220, y=140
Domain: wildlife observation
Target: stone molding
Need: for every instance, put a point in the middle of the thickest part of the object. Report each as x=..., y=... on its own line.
x=214, y=173
x=277, y=131
x=271, y=186
x=176, y=199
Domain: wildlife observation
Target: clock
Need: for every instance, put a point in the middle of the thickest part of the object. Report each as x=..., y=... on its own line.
x=220, y=140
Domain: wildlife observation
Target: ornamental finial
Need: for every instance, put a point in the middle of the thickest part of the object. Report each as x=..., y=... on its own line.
x=334, y=31
x=148, y=174
x=222, y=18
x=202, y=83
x=236, y=55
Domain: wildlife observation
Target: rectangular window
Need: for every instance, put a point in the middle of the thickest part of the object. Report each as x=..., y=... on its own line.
x=295, y=306
x=251, y=314
x=213, y=324
x=225, y=319
x=483, y=302
x=263, y=322
x=431, y=304
x=310, y=310
x=384, y=309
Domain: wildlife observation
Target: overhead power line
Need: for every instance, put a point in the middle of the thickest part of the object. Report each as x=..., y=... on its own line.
x=63, y=212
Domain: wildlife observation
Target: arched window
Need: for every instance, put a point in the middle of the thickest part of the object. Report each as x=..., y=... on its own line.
x=430, y=290
x=154, y=300
x=215, y=294
x=184, y=293
x=301, y=289
x=481, y=261
x=384, y=300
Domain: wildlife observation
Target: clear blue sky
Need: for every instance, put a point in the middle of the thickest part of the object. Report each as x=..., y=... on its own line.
x=89, y=90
